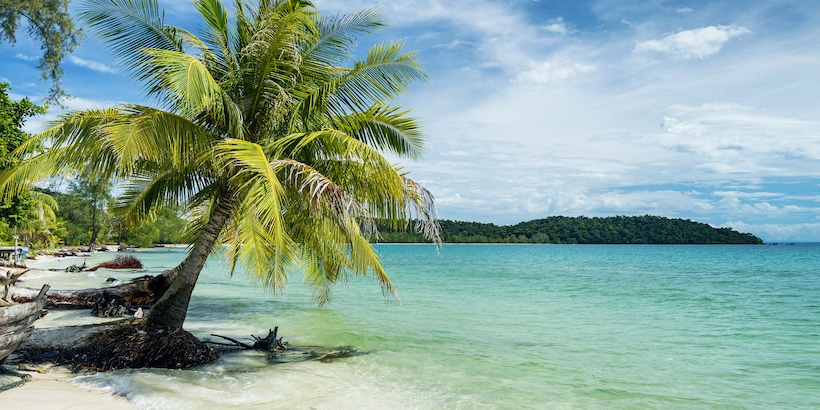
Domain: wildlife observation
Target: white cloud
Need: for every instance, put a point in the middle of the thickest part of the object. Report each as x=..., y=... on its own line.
x=557, y=26
x=796, y=232
x=690, y=44
x=93, y=65
x=454, y=44
x=25, y=57
x=547, y=72
x=684, y=10
x=672, y=125
x=730, y=136
x=40, y=123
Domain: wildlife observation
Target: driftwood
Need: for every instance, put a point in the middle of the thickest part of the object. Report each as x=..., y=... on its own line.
x=267, y=343
x=140, y=292
x=271, y=343
x=8, y=282
x=76, y=268
x=16, y=323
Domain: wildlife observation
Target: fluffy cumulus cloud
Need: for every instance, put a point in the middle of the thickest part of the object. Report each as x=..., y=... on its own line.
x=557, y=26
x=691, y=44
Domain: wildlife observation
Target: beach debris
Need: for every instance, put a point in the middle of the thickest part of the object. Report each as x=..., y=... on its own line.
x=327, y=357
x=267, y=343
x=8, y=282
x=142, y=291
x=76, y=268
x=112, y=306
x=120, y=262
x=17, y=323
x=64, y=253
x=132, y=344
x=10, y=378
x=283, y=352
x=29, y=368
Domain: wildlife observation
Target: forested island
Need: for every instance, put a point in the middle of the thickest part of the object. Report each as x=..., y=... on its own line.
x=582, y=230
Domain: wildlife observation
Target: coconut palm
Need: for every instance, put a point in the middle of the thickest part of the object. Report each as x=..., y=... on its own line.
x=40, y=219
x=264, y=132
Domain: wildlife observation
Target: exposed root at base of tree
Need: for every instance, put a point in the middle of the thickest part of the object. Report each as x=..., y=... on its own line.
x=129, y=346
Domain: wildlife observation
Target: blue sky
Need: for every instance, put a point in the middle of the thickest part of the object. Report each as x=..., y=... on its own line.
x=704, y=110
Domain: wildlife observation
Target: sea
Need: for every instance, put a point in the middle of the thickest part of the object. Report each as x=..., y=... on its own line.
x=501, y=326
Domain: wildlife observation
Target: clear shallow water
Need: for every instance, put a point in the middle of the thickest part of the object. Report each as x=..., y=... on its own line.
x=512, y=326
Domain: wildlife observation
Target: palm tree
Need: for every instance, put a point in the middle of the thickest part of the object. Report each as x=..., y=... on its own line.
x=40, y=218
x=263, y=135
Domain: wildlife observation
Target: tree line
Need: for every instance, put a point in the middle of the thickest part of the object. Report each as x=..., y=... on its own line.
x=645, y=229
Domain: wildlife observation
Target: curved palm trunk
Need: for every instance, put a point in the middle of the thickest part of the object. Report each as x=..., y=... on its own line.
x=172, y=307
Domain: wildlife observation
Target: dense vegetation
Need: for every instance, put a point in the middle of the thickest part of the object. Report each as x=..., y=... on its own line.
x=583, y=230
x=78, y=215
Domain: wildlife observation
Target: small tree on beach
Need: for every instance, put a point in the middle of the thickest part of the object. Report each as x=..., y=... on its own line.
x=265, y=135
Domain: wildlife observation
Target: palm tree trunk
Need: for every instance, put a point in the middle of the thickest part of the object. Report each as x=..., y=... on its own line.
x=172, y=307
x=94, y=230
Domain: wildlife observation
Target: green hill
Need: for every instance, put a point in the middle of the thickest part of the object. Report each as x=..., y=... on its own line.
x=582, y=230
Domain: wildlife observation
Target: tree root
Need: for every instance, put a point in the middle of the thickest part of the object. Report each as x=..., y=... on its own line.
x=129, y=346
x=267, y=343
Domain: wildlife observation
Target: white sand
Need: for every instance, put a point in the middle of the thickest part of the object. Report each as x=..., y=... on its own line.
x=54, y=390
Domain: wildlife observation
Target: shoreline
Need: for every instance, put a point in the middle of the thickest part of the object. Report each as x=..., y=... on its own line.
x=54, y=388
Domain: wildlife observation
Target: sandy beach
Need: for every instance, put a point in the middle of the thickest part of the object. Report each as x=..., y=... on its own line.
x=54, y=388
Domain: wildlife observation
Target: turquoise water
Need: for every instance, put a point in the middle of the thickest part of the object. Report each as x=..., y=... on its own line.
x=515, y=326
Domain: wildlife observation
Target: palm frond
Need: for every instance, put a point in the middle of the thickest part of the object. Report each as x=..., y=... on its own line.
x=384, y=75
x=387, y=129
x=219, y=38
x=273, y=57
x=336, y=37
x=128, y=26
x=254, y=177
x=423, y=205
x=142, y=198
x=189, y=83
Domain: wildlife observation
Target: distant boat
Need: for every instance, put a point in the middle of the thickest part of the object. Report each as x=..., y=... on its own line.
x=17, y=323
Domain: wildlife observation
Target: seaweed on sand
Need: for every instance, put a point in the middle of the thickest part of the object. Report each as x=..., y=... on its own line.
x=120, y=262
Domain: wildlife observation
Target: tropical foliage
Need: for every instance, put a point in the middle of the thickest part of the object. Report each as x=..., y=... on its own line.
x=30, y=214
x=584, y=230
x=269, y=134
